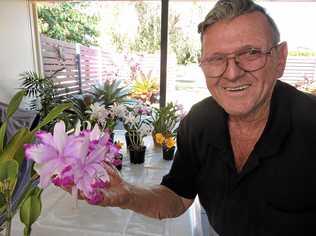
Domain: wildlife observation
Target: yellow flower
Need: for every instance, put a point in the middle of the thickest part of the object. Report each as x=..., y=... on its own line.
x=170, y=142
x=159, y=138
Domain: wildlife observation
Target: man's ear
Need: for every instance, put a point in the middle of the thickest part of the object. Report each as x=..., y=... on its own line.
x=282, y=56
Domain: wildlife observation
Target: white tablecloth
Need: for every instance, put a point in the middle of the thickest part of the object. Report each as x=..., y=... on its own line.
x=60, y=217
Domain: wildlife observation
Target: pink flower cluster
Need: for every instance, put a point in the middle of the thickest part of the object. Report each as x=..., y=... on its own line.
x=74, y=161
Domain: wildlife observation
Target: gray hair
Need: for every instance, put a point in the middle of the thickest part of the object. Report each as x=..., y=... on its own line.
x=229, y=9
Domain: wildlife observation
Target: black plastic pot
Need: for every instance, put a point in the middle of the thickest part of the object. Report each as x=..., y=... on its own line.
x=137, y=154
x=167, y=154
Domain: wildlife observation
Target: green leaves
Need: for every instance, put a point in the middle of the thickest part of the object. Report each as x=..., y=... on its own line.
x=11, y=158
x=110, y=92
x=8, y=178
x=14, y=103
x=53, y=114
x=12, y=107
x=68, y=22
x=165, y=119
x=31, y=209
x=17, y=142
x=2, y=135
x=9, y=171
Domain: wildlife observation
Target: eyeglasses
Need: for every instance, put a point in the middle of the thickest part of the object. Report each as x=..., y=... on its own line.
x=249, y=60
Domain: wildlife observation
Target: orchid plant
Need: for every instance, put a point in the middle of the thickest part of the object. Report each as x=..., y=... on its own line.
x=165, y=120
x=106, y=118
x=18, y=183
x=136, y=122
x=75, y=161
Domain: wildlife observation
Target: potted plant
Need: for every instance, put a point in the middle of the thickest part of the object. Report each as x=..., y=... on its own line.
x=145, y=88
x=105, y=117
x=18, y=183
x=137, y=126
x=165, y=120
x=44, y=97
x=110, y=92
x=168, y=144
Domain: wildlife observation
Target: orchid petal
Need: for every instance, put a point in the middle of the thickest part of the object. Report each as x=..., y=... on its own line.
x=60, y=136
x=96, y=155
x=40, y=153
x=76, y=147
x=45, y=137
x=46, y=171
x=84, y=184
x=95, y=133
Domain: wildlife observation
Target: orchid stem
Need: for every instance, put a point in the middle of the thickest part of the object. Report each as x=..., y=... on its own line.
x=74, y=193
x=8, y=227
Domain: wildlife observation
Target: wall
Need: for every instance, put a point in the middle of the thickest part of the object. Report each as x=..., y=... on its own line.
x=16, y=45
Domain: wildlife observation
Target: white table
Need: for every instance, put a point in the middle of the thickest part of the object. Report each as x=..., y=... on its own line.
x=59, y=217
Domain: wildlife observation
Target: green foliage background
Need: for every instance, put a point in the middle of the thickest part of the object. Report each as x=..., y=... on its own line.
x=148, y=34
x=68, y=21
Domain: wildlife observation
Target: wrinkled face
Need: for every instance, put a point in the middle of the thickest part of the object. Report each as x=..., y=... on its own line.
x=243, y=93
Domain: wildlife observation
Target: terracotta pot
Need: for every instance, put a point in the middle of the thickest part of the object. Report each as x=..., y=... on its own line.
x=167, y=154
x=137, y=155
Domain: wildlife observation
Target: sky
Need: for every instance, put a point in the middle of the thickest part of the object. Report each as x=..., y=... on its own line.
x=296, y=22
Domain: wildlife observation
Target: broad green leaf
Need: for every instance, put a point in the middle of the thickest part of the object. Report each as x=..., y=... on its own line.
x=2, y=135
x=31, y=209
x=28, y=190
x=9, y=171
x=2, y=203
x=53, y=114
x=15, y=103
x=19, y=155
x=14, y=145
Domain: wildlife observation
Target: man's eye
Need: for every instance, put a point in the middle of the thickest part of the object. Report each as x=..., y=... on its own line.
x=250, y=54
x=254, y=51
x=215, y=60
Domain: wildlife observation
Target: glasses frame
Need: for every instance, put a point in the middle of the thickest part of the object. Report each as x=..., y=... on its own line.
x=264, y=52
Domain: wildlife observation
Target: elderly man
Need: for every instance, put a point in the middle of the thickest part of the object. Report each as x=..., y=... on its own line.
x=248, y=151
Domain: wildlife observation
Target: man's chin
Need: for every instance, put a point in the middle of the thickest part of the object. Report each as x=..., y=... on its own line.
x=237, y=112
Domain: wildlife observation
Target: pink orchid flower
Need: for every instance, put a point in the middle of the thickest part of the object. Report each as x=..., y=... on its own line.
x=75, y=161
x=53, y=153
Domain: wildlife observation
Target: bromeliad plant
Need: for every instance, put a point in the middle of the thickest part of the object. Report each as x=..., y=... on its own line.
x=110, y=92
x=18, y=183
x=75, y=161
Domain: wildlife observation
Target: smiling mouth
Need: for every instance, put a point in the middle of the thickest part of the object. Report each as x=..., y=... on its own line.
x=238, y=88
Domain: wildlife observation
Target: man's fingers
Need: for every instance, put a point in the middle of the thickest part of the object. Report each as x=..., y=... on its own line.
x=112, y=171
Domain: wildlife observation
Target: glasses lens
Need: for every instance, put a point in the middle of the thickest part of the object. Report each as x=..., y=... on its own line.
x=214, y=67
x=252, y=60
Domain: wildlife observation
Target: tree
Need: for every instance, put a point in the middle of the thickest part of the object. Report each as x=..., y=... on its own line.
x=147, y=39
x=69, y=22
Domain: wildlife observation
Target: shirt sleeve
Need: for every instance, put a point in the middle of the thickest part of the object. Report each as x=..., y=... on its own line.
x=182, y=176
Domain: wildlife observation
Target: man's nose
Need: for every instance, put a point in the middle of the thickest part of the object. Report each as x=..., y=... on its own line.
x=233, y=71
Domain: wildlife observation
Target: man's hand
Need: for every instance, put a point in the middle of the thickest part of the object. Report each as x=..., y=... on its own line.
x=156, y=201
x=117, y=194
